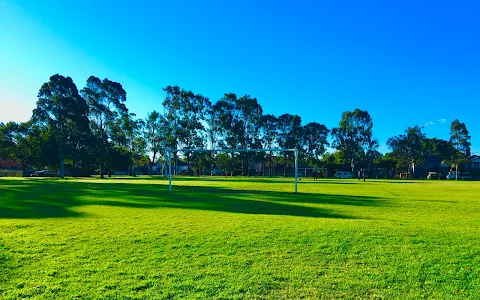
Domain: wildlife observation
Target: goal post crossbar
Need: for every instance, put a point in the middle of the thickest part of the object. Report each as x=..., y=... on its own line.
x=171, y=151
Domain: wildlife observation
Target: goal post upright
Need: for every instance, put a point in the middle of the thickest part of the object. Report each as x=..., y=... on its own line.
x=170, y=152
x=169, y=171
x=296, y=170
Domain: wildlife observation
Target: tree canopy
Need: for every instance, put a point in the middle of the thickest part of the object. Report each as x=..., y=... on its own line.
x=93, y=132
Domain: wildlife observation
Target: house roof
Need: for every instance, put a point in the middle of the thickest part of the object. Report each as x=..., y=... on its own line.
x=473, y=157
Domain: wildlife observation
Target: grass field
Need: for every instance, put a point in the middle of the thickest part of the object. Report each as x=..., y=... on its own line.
x=239, y=238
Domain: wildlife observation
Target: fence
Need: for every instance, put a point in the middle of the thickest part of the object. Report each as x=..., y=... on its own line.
x=11, y=173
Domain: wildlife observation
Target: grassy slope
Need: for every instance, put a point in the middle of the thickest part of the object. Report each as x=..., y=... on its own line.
x=239, y=238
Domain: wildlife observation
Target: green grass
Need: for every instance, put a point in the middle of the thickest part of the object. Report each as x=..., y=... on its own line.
x=239, y=238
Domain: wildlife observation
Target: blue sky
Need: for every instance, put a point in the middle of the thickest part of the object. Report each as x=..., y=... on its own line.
x=406, y=62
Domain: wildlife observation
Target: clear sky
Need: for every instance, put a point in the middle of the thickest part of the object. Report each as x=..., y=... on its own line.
x=406, y=62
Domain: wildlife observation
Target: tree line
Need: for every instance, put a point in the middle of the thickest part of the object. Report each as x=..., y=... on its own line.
x=93, y=132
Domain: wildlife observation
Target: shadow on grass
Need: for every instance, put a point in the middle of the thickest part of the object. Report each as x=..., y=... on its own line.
x=56, y=198
x=396, y=182
x=262, y=179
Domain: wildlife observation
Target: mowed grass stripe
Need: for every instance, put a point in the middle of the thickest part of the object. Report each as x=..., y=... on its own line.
x=238, y=238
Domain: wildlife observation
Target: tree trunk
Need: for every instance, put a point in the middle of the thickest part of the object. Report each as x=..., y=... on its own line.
x=62, y=163
x=273, y=168
x=101, y=163
x=284, y=164
x=24, y=168
x=243, y=164
x=413, y=170
x=271, y=164
x=153, y=161
x=154, y=147
x=102, y=158
x=175, y=166
x=456, y=171
x=165, y=165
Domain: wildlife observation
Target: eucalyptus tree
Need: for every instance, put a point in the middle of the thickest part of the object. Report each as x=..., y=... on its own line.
x=438, y=147
x=269, y=136
x=214, y=130
x=353, y=138
x=290, y=135
x=6, y=143
x=153, y=133
x=241, y=120
x=460, y=140
x=186, y=113
x=136, y=144
x=408, y=149
x=61, y=108
x=315, y=141
x=106, y=102
x=23, y=143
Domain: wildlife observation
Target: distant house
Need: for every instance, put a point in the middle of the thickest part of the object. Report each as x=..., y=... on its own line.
x=471, y=167
x=182, y=167
x=10, y=164
x=473, y=164
x=303, y=170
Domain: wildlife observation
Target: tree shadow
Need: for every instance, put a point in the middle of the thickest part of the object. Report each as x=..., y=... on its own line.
x=32, y=199
x=396, y=182
x=327, y=182
x=261, y=179
x=245, y=179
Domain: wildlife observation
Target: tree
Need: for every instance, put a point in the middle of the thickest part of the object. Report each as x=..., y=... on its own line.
x=153, y=133
x=241, y=121
x=269, y=136
x=137, y=144
x=440, y=148
x=388, y=163
x=106, y=102
x=315, y=140
x=328, y=162
x=131, y=139
x=186, y=114
x=225, y=162
x=408, y=148
x=372, y=157
x=251, y=114
x=191, y=129
x=460, y=141
x=29, y=144
x=290, y=135
x=62, y=110
x=14, y=143
x=6, y=143
x=354, y=136
x=214, y=128
x=79, y=140
x=200, y=161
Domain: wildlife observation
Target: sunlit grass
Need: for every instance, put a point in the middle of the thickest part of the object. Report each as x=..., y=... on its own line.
x=239, y=238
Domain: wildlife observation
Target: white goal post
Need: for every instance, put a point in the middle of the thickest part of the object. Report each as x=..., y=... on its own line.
x=171, y=151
